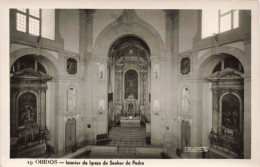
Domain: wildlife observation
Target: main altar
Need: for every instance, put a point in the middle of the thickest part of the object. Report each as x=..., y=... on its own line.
x=130, y=121
x=131, y=107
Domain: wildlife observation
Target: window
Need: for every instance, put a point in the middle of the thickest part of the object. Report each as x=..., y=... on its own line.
x=218, y=21
x=229, y=62
x=228, y=20
x=36, y=22
x=26, y=62
x=28, y=21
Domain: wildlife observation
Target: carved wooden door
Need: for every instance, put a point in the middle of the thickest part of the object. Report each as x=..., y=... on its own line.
x=70, y=135
x=185, y=135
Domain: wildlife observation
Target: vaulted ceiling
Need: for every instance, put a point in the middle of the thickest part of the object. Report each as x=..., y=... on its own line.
x=129, y=46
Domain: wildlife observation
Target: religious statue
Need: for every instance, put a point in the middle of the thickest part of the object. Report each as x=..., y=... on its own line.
x=71, y=98
x=101, y=74
x=156, y=74
x=28, y=115
x=185, y=99
x=101, y=71
x=101, y=106
x=156, y=106
x=156, y=71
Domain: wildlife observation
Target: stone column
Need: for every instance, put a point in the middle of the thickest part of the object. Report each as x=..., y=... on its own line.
x=170, y=70
x=141, y=88
x=247, y=116
x=43, y=108
x=215, y=108
x=121, y=94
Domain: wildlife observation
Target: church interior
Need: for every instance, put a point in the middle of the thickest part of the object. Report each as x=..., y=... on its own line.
x=125, y=83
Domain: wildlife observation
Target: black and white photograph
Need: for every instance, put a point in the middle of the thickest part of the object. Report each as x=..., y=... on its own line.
x=128, y=84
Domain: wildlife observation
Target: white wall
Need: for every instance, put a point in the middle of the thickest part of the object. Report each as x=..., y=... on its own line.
x=155, y=18
x=69, y=29
x=103, y=18
x=188, y=26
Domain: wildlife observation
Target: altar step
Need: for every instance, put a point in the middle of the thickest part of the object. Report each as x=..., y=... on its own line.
x=133, y=129
x=127, y=143
x=119, y=135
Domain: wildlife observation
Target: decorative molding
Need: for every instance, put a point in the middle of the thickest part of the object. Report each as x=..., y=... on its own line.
x=185, y=118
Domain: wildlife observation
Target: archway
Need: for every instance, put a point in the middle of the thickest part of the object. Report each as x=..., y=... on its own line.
x=39, y=66
x=225, y=88
x=128, y=79
x=128, y=25
x=28, y=102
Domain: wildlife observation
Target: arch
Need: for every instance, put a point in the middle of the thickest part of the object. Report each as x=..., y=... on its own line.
x=52, y=67
x=49, y=62
x=128, y=24
x=209, y=60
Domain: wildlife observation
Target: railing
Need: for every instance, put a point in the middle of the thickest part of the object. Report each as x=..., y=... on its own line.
x=31, y=135
x=229, y=143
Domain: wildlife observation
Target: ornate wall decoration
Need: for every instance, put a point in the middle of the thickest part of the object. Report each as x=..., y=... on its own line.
x=230, y=112
x=27, y=111
x=156, y=71
x=101, y=71
x=101, y=106
x=131, y=84
x=185, y=66
x=71, y=98
x=185, y=100
x=72, y=66
x=156, y=106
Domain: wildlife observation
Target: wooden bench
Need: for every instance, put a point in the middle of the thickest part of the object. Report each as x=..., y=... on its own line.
x=102, y=149
x=149, y=151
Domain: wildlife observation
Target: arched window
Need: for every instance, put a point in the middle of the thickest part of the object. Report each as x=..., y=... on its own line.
x=229, y=62
x=27, y=62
